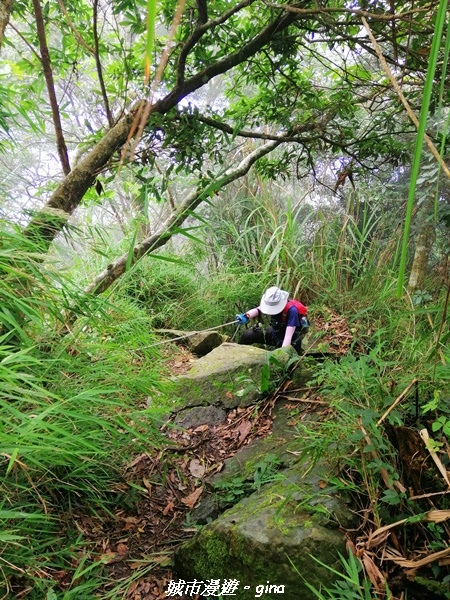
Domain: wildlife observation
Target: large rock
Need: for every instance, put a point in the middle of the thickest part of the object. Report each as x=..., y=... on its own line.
x=263, y=457
x=199, y=343
x=233, y=375
x=272, y=538
x=200, y=415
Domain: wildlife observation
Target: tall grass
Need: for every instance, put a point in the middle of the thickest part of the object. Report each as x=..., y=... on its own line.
x=73, y=410
x=320, y=256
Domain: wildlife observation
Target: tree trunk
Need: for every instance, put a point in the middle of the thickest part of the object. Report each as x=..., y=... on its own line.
x=424, y=244
x=5, y=12
x=68, y=195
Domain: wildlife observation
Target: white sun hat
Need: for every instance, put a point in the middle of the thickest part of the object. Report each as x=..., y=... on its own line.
x=273, y=301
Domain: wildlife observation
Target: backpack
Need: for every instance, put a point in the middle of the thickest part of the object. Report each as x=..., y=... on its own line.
x=303, y=311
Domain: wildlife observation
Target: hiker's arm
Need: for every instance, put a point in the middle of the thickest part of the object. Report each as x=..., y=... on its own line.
x=288, y=336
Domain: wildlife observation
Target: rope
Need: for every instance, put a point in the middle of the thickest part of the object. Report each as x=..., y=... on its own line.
x=182, y=337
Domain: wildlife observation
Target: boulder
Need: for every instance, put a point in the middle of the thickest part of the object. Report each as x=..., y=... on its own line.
x=199, y=343
x=233, y=375
x=278, y=536
x=279, y=450
x=200, y=415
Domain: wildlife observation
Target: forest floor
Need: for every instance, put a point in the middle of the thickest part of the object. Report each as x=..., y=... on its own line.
x=138, y=544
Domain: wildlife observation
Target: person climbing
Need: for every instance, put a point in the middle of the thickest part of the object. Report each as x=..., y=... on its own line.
x=288, y=321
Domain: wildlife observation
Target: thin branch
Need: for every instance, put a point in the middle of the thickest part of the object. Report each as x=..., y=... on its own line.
x=397, y=401
x=434, y=151
x=170, y=197
x=99, y=66
x=74, y=29
x=46, y=65
x=26, y=42
x=287, y=137
x=437, y=461
x=351, y=11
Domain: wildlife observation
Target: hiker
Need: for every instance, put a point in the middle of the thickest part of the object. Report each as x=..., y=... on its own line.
x=288, y=321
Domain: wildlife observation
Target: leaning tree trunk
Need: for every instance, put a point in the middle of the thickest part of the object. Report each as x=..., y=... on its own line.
x=44, y=227
x=118, y=267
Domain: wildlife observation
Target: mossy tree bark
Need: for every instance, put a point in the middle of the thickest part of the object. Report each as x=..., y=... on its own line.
x=424, y=244
x=5, y=12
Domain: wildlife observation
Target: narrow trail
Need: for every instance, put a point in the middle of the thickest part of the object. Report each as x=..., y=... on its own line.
x=138, y=543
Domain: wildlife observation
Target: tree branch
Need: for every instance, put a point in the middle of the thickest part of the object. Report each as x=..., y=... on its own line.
x=74, y=29
x=199, y=31
x=99, y=66
x=434, y=151
x=46, y=66
x=287, y=137
x=202, y=11
x=26, y=42
x=68, y=195
x=389, y=16
x=113, y=271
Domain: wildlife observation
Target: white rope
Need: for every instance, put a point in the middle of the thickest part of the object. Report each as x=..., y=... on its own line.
x=182, y=337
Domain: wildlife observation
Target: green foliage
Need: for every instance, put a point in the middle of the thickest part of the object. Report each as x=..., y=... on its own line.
x=178, y=295
x=267, y=383
x=73, y=410
x=440, y=409
x=352, y=583
x=73, y=400
x=264, y=471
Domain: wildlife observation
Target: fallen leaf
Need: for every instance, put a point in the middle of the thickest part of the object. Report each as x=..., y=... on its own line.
x=170, y=506
x=190, y=500
x=148, y=485
x=196, y=468
x=229, y=395
x=243, y=430
x=132, y=520
x=351, y=547
x=138, y=459
x=374, y=574
x=200, y=429
x=122, y=548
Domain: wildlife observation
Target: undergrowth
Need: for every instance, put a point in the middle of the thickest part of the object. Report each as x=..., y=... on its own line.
x=78, y=373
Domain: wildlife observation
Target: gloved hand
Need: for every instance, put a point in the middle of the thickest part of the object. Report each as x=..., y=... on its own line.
x=241, y=319
x=304, y=323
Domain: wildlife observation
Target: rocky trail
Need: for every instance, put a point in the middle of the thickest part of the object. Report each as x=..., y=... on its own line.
x=182, y=485
x=138, y=542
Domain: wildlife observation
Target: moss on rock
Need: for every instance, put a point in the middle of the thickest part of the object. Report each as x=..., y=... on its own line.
x=270, y=536
x=231, y=375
